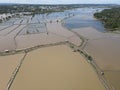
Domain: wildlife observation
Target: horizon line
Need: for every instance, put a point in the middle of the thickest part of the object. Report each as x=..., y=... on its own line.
x=62, y=4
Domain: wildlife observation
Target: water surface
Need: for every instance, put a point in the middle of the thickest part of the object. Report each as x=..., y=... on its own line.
x=84, y=18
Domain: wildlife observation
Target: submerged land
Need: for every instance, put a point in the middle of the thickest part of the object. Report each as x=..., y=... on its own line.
x=54, y=47
x=58, y=68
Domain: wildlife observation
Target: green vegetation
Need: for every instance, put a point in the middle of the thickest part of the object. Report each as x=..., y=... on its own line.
x=35, y=9
x=110, y=18
x=39, y=8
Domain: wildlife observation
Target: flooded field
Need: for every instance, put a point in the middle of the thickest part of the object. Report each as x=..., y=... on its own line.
x=61, y=69
x=7, y=66
x=113, y=78
x=51, y=35
x=104, y=48
x=34, y=29
x=7, y=42
x=106, y=53
x=28, y=31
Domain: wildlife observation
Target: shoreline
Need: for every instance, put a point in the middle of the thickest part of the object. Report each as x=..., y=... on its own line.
x=84, y=31
x=82, y=52
x=71, y=45
x=92, y=62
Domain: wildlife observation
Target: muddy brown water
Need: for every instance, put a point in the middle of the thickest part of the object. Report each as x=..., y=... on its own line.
x=56, y=68
x=105, y=49
x=7, y=65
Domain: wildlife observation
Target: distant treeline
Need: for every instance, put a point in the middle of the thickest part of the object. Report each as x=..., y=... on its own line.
x=16, y=8
x=110, y=18
x=36, y=8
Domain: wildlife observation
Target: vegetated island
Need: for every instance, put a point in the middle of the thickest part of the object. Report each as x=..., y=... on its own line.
x=110, y=18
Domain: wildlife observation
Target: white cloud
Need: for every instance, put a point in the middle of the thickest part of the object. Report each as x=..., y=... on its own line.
x=60, y=1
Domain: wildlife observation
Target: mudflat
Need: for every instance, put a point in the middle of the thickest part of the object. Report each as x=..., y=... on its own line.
x=56, y=68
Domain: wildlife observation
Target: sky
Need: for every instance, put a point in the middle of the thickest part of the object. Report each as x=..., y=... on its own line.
x=62, y=1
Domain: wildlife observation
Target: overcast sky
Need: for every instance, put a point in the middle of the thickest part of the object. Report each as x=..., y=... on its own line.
x=62, y=1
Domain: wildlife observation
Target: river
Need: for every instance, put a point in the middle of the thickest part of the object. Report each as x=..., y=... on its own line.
x=103, y=46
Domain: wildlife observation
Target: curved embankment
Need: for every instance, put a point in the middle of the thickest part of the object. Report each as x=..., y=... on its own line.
x=104, y=48
x=75, y=49
x=98, y=70
x=33, y=48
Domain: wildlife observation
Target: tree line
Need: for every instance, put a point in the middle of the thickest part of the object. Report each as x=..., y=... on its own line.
x=110, y=18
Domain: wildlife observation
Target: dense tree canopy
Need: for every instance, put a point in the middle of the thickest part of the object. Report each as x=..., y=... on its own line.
x=110, y=18
x=16, y=8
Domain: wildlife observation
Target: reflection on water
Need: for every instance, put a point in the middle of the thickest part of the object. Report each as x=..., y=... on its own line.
x=103, y=47
x=84, y=18
x=34, y=29
x=80, y=22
